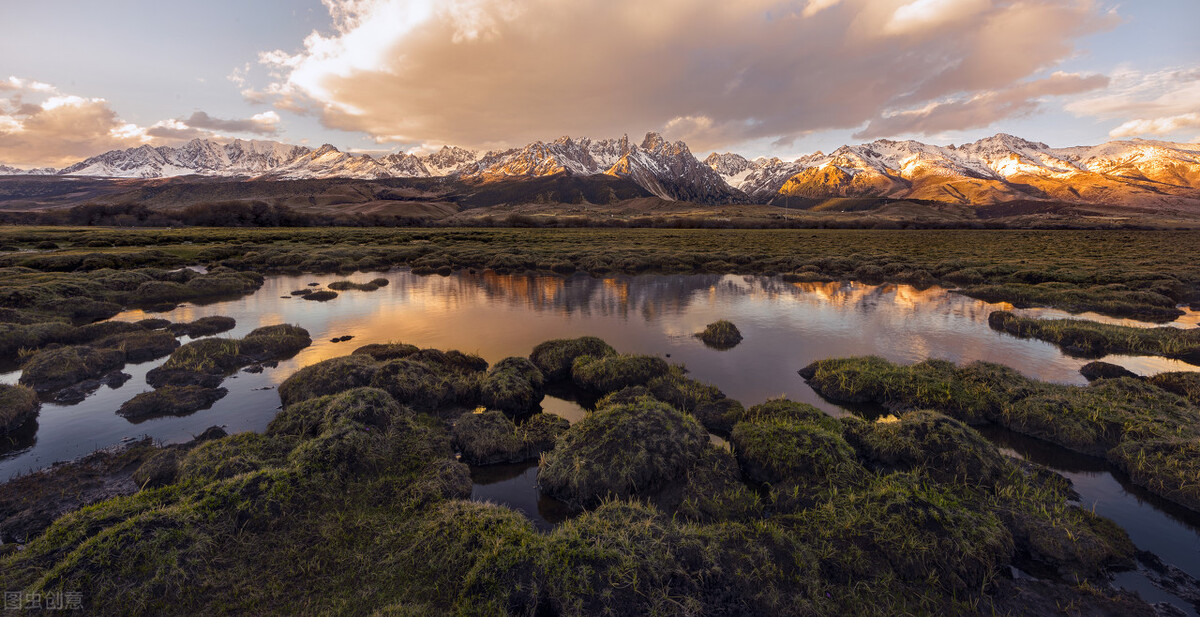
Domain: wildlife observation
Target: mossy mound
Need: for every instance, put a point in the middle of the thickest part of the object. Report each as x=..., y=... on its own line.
x=205, y=362
x=1146, y=430
x=1182, y=383
x=275, y=342
x=141, y=345
x=620, y=451
x=540, y=432
x=427, y=386
x=52, y=369
x=170, y=401
x=350, y=285
x=370, y=407
x=610, y=373
x=328, y=377
x=943, y=448
x=1093, y=371
x=791, y=454
x=555, y=358
x=1093, y=339
x=205, y=326
x=491, y=437
x=321, y=296
x=487, y=438
x=783, y=408
x=720, y=334
x=17, y=405
x=387, y=351
x=352, y=500
x=514, y=386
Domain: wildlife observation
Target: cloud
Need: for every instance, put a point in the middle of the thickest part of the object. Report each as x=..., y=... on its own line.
x=472, y=72
x=266, y=123
x=982, y=109
x=1158, y=103
x=40, y=126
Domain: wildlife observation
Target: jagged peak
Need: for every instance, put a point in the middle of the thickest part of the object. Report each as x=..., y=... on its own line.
x=653, y=141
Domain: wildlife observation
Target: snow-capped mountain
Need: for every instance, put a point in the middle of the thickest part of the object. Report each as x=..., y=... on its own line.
x=199, y=156
x=991, y=170
x=449, y=160
x=5, y=170
x=669, y=170
x=995, y=169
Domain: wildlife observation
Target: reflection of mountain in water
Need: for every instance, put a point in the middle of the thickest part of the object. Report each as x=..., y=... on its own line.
x=654, y=296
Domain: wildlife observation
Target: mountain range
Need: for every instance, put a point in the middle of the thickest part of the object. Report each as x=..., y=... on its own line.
x=994, y=170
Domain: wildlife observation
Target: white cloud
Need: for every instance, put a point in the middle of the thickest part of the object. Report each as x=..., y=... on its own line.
x=41, y=126
x=1158, y=103
x=496, y=71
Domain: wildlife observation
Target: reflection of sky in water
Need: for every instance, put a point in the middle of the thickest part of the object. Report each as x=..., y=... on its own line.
x=786, y=326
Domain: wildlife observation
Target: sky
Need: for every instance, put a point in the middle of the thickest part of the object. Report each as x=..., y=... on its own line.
x=758, y=77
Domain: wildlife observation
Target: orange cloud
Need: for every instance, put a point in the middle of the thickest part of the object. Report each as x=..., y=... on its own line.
x=477, y=72
x=43, y=127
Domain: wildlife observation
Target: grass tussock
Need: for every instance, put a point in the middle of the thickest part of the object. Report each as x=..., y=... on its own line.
x=17, y=405
x=205, y=362
x=354, y=502
x=491, y=437
x=720, y=334
x=170, y=401
x=555, y=358
x=1092, y=339
x=610, y=373
x=1147, y=431
x=621, y=451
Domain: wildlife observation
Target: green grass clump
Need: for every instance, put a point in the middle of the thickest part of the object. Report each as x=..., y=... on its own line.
x=205, y=326
x=211, y=355
x=141, y=345
x=170, y=401
x=328, y=377
x=513, y=385
x=621, y=451
x=387, y=351
x=720, y=334
x=321, y=296
x=349, y=285
x=353, y=503
x=487, y=438
x=17, y=405
x=205, y=362
x=275, y=342
x=606, y=374
x=790, y=454
x=491, y=437
x=943, y=448
x=1093, y=371
x=554, y=358
x=427, y=385
x=1185, y=384
x=1089, y=338
x=52, y=369
x=1143, y=429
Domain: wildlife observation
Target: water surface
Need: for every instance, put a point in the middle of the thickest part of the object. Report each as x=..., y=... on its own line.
x=786, y=326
